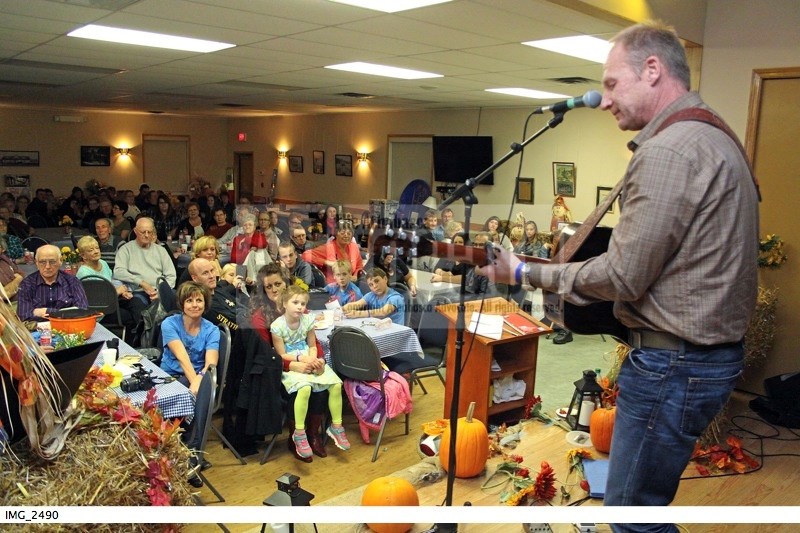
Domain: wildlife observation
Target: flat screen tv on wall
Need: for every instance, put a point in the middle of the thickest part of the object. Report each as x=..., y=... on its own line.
x=455, y=159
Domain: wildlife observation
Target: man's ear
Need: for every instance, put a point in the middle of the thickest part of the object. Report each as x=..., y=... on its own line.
x=653, y=70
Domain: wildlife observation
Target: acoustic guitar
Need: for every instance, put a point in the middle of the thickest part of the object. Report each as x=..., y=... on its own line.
x=593, y=319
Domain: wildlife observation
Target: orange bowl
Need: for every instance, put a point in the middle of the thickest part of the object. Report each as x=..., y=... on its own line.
x=83, y=325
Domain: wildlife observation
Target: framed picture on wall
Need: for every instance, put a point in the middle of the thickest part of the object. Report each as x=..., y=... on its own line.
x=16, y=158
x=344, y=165
x=295, y=163
x=525, y=190
x=564, y=180
x=318, y=162
x=95, y=156
x=602, y=193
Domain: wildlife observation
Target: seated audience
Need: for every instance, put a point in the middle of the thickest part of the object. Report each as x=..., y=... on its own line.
x=300, y=240
x=122, y=226
x=165, y=218
x=223, y=308
x=193, y=225
x=10, y=274
x=443, y=271
x=382, y=301
x=249, y=239
x=294, y=264
x=49, y=289
x=16, y=227
x=141, y=262
x=492, y=227
x=363, y=231
x=268, y=230
x=220, y=227
x=396, y=270
x=130, y=308
x=13, y=246
x=343, y=290
x=342, y=247
x=109, y=243
x=530, y=244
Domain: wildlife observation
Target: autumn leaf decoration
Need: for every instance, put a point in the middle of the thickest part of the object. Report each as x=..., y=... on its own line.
x=716, y=459
x=152, y=432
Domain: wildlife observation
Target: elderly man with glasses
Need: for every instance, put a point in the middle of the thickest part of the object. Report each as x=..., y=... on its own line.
x=49, y=289
x=299, y=240
x=141, y=262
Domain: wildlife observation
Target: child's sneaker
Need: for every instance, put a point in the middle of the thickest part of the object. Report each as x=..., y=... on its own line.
x=339, y=437
x=301, y=444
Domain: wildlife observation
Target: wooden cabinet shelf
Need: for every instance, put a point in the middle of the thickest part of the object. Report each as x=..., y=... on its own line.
x=516, y=355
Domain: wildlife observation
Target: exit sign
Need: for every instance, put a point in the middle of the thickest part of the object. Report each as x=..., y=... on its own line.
x=241, y=137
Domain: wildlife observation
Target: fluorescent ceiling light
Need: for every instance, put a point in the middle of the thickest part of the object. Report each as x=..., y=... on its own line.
x=392, y=6
x=146, y=38
x=383, y=70
x=528, y=93
x=582, y=46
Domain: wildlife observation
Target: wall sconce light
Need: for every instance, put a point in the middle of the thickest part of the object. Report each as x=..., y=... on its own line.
x=363, y=157
x=281, y=154
x=124, y=151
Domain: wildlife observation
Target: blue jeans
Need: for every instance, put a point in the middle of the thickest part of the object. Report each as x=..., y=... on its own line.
x=666, y=400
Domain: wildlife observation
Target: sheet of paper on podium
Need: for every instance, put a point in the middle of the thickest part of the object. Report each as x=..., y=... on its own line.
x=486, y=325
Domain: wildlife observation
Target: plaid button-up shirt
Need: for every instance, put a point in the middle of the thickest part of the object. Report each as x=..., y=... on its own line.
x=65, y=291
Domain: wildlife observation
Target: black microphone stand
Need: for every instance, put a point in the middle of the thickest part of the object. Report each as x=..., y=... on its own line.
x=465, y=192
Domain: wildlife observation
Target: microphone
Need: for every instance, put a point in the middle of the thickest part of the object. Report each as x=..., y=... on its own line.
x=590, y=99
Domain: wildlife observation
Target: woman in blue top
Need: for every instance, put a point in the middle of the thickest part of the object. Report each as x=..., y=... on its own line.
x=381, y=302
x=191, y=343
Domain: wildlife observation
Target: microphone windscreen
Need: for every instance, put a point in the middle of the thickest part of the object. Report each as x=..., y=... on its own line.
x=592, y=99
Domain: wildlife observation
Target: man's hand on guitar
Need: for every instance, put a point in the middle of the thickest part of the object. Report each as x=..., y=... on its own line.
x=503, y=268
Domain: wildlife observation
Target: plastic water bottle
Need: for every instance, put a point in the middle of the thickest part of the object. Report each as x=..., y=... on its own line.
x=46, y=337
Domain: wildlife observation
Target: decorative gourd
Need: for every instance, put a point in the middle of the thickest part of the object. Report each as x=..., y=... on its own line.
x=601, y=428
x=472, y=446
x=390, y=491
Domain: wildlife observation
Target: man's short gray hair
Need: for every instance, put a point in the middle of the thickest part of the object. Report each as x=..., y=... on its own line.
x=654, y=38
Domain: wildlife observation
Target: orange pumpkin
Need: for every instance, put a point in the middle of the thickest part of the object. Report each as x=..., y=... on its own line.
x=601, y=428
x=390, y=491
x=472, y=446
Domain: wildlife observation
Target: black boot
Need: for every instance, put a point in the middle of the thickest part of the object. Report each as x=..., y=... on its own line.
x=314, y=433
x=290, y=445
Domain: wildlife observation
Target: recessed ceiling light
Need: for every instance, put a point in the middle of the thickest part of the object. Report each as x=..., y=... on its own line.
x=146, y=38
x=383, y=70
x=582, y=46
x=528, y=93
x=390, y=7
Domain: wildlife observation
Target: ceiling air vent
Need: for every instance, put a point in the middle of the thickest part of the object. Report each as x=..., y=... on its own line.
x=573, y=80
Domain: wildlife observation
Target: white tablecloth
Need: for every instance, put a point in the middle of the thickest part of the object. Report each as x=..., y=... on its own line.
x=174, y=399
x=427, y=290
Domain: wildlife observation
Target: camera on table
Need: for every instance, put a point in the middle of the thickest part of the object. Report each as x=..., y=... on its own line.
x=139, y=380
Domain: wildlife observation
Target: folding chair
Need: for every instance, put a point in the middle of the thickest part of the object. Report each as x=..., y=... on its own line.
x=355, y=356
x=405, y=292
x=319, y=277
x=166, y=295
x=222, y=372
x=33, y=243
x=102, y=297
x=432, y=333
x=203, y=411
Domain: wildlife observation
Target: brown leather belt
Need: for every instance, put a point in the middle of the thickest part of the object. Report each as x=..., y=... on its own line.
x=661, y=340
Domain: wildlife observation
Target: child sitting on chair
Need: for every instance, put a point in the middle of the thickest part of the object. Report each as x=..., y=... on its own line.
x=343, y=289
x=294, y=339
x=381, y=302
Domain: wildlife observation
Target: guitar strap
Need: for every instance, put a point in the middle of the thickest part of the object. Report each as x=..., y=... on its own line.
x=573, y=244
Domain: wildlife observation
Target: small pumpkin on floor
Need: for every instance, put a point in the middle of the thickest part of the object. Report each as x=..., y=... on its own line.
x=601, y=428
x=472, y=446
x=393, y=491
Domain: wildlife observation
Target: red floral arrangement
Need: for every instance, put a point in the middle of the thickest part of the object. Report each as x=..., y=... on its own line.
x=715, y=459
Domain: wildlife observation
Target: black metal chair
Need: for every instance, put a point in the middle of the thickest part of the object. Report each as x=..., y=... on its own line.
x=222, y=372
x=432, y=333
x=33, y=243
x=203, y=411
x=405, y=292
x=355, y=356
x=102, y=296
x=166, y=295
x=319, y=277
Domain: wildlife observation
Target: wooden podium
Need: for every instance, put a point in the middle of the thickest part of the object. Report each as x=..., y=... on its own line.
x=515, y=353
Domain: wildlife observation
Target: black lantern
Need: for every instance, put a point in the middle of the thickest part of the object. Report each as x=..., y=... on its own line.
x=289, y=494
x=586, y=390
